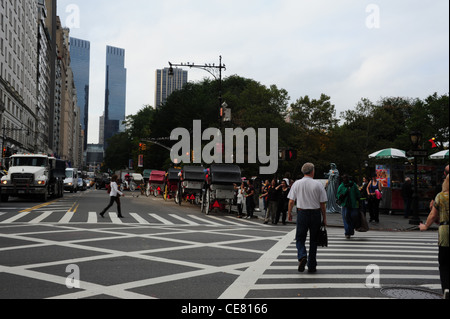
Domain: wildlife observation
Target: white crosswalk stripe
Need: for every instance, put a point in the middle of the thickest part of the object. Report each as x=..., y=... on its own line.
x=139, y=219
x=161, y=219
x=92, y=219
x=185, y=220
x=68, y=217
x=345, y=267
x=15, y=218
x=40, y=218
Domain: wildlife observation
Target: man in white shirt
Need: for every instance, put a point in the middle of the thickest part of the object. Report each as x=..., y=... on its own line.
x=114, y=194
x=311, y=199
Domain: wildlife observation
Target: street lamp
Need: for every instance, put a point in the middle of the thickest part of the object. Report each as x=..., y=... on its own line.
x=416, y=139
x=214, y=70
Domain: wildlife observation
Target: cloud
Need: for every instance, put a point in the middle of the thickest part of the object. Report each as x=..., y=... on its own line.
x=305, y=47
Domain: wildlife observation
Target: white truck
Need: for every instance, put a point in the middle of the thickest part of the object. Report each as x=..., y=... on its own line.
x=71, y=180
x=36, y=175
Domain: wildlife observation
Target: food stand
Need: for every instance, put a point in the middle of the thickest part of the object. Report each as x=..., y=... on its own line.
x=392, y=177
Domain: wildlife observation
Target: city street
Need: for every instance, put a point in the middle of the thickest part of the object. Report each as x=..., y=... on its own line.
x=63, y=249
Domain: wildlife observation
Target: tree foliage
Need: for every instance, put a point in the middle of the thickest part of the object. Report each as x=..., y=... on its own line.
x=307, y=125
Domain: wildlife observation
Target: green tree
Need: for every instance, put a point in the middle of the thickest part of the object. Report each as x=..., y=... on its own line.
x=313, y=122
x=117, y=155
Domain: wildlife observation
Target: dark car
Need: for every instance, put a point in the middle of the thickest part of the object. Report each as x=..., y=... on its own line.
x=102, y=180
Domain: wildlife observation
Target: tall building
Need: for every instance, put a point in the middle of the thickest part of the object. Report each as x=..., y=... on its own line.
x=18, y=75
x=38, y=111
x=115, y=92
x=166, y=84
x=70, y=133
x=52, y=113
x=80, y=62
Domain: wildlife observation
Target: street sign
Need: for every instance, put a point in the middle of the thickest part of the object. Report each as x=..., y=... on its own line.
x=418, y=153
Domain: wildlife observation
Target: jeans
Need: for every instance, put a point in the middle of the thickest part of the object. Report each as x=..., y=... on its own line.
x=350, y=217
x=308, y=220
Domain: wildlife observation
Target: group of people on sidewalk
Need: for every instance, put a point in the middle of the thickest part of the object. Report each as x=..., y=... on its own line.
x=310, y=198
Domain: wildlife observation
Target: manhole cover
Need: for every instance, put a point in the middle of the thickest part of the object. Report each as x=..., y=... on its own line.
x=410, y=293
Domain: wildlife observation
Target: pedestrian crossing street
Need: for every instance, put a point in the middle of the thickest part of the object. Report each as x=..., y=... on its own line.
x=152, y=219
x=357, y=268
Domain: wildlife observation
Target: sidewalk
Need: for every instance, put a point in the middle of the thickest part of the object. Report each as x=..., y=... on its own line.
x=393, y=222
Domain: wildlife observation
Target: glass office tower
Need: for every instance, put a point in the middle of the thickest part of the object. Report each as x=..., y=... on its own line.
x=80, y=51
x=115, y=92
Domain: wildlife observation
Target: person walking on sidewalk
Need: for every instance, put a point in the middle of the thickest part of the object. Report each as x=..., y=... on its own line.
x=272, y=196
x=364, y=196
x=440, y=215
x=311, y=199
x=283, y=202
x=240, y=193
x=250, y=199
x=114, y=197
x=349, y=196
x=373, y=188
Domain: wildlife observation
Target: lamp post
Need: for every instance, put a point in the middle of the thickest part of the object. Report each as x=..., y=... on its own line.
x=416, y=138
x=211, y=69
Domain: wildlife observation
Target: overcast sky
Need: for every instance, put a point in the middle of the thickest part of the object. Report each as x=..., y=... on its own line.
x=347, y=49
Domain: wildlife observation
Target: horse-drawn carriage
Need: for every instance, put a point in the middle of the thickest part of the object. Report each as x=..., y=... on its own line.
x=156, y=183
x=191, y=185
x=171, y=182
x=219, y=189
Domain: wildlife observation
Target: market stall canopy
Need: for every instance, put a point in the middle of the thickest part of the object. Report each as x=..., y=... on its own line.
x=388, y=153
x=440, y=155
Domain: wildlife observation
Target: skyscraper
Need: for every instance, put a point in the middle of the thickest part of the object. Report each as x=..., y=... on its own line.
x=18, y=80
x=115, y=92
x=166, y=84
x=80, y=62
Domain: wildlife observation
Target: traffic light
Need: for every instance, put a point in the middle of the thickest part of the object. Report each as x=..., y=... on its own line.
x=142, y=147
x=291, y=155
x=288, y=155
x=433, y=142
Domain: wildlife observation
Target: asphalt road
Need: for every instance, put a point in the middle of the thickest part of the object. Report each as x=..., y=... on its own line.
x=63, y=250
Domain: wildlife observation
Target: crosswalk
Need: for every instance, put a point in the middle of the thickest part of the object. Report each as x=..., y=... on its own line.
x=157, y=219
x=353, y=269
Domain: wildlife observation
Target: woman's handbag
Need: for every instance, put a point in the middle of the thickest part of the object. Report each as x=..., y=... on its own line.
x=363, y=225
x=322, y=237
x=379, y=194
